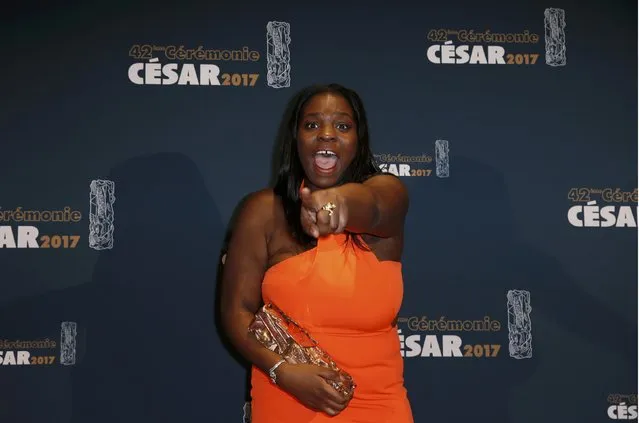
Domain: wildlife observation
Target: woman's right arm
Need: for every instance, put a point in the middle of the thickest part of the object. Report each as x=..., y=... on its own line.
x=244, y=267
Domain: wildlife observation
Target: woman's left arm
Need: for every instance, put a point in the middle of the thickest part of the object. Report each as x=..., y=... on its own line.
x=377, y=207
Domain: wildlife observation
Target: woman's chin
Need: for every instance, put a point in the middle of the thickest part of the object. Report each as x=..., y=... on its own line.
x=324, y=180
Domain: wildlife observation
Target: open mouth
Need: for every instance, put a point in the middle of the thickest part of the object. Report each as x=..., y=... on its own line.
x=325, y=160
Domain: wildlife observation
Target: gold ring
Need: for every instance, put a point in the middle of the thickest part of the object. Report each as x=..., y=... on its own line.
x=329, y=207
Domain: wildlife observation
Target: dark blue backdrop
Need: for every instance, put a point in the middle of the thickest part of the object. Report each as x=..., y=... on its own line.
x=182, y=157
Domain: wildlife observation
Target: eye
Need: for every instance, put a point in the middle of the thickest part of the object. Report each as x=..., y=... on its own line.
x=310, y=125
x=343, y=126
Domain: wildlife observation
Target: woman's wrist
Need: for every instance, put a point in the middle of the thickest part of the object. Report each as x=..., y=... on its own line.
x=280, y=372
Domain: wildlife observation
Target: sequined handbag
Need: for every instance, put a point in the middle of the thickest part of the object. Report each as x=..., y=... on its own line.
x=280, y=334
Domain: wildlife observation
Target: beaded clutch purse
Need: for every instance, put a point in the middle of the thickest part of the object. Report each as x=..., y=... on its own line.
x=280, y=334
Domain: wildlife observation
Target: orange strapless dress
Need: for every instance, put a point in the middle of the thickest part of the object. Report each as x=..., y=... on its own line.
x=347, y=299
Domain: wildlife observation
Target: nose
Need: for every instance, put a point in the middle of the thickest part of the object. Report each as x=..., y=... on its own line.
x=327, y=133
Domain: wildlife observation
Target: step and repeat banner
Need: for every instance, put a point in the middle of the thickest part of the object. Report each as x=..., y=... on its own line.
x=130, y=133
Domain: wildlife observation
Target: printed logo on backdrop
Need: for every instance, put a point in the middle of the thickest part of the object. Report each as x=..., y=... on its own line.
x=404, y=164
x=101, y=214
x=607, y=207
x=278, y=54
x=22, y=228
x=519, y=324
x=246, y=418
x=421, y=336
x=211, y=65
x=485, y=46
x=43, y=351
x=444, y=337
x=622, y=407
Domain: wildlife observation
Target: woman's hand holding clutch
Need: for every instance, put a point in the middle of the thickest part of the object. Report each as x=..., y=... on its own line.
x=309, y=384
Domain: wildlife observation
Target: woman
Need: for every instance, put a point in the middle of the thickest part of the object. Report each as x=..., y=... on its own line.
x=325, y=247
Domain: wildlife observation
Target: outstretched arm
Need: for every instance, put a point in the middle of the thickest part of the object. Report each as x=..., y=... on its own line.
x=377, y=207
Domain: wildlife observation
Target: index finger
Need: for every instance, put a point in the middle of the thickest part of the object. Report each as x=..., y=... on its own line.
x=307, y=199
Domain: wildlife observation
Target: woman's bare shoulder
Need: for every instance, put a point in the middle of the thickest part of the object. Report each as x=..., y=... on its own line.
x=258, y=209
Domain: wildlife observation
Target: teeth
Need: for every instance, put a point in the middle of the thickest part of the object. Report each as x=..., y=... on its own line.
x=326, y=153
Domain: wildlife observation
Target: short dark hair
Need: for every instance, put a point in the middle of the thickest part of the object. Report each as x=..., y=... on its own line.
x=288, y=168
